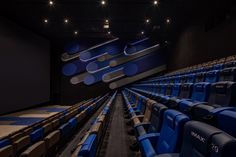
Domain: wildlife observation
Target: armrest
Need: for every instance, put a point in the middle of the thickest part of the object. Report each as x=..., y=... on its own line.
x=137, y=116
x=153, y=137
x=217, y=110
x=147, y=148
x=144, y=124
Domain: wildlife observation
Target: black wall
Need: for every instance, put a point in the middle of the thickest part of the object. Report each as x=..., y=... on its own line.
x=198, y=43
x=24, y=67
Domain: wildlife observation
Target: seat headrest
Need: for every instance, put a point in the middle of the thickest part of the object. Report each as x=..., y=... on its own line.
x=212, y=73
x=197, y=137
x=199, y=87
x=170, y=117
x=223, y=145
x=186, y=86
x=223, y=93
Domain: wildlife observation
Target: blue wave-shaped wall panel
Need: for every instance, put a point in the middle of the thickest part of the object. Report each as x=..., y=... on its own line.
x=112, y=48
x=143, y=64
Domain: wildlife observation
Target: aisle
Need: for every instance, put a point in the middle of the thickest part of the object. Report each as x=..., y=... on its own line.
x=116, y=142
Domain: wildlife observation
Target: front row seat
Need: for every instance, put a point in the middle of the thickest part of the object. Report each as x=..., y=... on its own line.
x=203, y=140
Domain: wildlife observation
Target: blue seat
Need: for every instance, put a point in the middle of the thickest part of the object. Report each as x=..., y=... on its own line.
x=185, y=93
x=218, y=66
x=170, y=137
x=202, y=140
x=4, y=143
x=200, y=94
x=173, y=92
x=191, y=78
x=212, y=76
x=228, y=74
x=65, y=130
x=226, y=121
x=89, y=147
x=36, y=135
x=157, y=96
x=155, y=123
x=73, y=123
x=223, y=94
x=230, y=64
x=222, y=97
x=200, y=77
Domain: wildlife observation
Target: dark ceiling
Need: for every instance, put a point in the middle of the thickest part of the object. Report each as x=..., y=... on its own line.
x=126, y=17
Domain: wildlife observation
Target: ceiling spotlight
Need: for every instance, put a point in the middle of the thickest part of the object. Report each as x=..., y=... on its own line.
x=51, y=3
x=107, y=21
x=103, y=2
x=45, y=20
x=109, y=32
x=142, y=32
x=66, y=21
x=76, y=32
x=155, y=2
x=147, y=20
x=167, y=20
x=106, y=26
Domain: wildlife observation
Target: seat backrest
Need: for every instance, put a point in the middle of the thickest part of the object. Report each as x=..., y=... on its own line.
x=201, y=91
x=186, y=90
x=226, y=121
x=191, y=78
x=212, y=76
x=158, y=88
x=169, y=88
x=89, y=147
x=183, y=79
x=4, y=143
x=230, y=64
x=223, y=94
x=156, y=118
x=228, y=74
x=203, y=140
x=36, y=150
x=37, y=135
x=171, y=132
x=200, y=77
x=148, y=111
x=176, y=90
x=177, y=79
x=163, y=89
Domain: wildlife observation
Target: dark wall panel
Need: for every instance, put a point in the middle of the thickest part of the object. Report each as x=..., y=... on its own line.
x=196, y=44
x=24, y=67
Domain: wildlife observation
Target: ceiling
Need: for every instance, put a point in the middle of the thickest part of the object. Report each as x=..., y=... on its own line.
x=127, y=18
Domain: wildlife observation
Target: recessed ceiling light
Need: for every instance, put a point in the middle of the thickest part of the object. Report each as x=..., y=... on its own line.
x=106, y=26
x=107, y=21
x=76, y=32
x=147, y=20
x=45, y=20
x=155, y=2
x=142, y=32
x=103, y=2
x=167, y=20
x=66, y=20
x=109, y=32
x=51, y=3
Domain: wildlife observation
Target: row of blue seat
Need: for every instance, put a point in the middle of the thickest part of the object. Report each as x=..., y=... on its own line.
x=160, y=130
x=88, y=146
x=46, y=137
x=227, y=74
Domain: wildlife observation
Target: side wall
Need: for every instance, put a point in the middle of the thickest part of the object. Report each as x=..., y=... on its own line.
x=24, y=67
x=195, y=44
